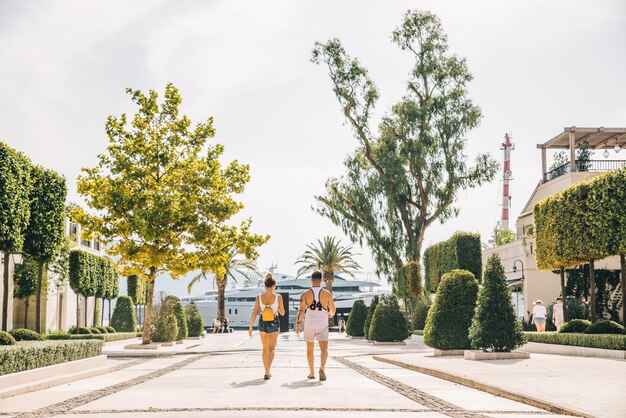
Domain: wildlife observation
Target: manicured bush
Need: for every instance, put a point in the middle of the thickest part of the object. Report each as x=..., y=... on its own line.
x=370, y=315
x=179, y=313
x=136, y=288
x=123, y=319
x=604, y=326
x=103, y=330
x=27, y=355
x=80, y=330
x=195, y=325
x=356, y=320
x=450, y=317
x=606, y=341
x=495, y=326
x=462, y=250
x=95, y=330
x=22, y=334
x=58, y=335
x=103, y=337
x=165, y=328
x=420, y=312
x=388, y=323
x=6, y=338
x=575, y=325
x=110, y=329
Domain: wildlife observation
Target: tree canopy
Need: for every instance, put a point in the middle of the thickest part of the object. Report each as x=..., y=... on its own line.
x=404, y=175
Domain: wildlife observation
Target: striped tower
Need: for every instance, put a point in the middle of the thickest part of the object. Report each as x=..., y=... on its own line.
x=507, y=147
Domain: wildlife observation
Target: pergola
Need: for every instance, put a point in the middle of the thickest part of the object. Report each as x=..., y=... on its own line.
x=597, y=138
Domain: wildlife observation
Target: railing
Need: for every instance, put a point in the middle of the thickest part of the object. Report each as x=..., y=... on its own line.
x=585, y=165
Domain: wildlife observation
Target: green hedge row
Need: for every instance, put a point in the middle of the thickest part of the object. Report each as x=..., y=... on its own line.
x=610, y=342
x=93, y=275
x=103, y=337
x=137, y=289
x=26, y=355
x=461, y=251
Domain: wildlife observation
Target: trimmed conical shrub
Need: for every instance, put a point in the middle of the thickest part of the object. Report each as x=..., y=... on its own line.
x=123, y=319
x=195, y=325
x=420, y=312
x=179, y=313
x=370, y=315
x=495, y=326
x=450, y=317
x=356, y=320
x=388, y=323
x=165, y=326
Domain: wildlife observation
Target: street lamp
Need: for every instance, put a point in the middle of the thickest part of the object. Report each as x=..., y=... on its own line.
x=514, y=269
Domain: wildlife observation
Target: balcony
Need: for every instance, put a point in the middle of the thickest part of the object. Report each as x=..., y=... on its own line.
x=594, y=166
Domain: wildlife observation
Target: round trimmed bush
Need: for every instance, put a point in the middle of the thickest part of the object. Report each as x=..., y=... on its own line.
x=179, y=313
x=575, y=325
x=95, y=330
x=495, y=327
x=420, y=313
x=388, y=323
x=356, y=320
x=370, y=315
x=80, y=330
x=449, y=319
x=165, y=326
x=103, y=330
x=604, y=326
x=110, y=329
x=58, y=335
x=23, y=334
x=195, y=326
x=123, y=319
x=6, y=338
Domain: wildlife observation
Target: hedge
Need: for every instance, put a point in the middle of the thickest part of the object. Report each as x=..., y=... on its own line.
x=22, y=334
x=123, y=318
x=92, y=275
x=103, y=337
x=388, y=323
x=605, y=327
x=462, y=250
x=136, y=289
x=609, y=342
x=27, y=355
x=370, y=315
x=450, y=317
x=356, y=320
x=195, y=326
x=575, y=326
x=179, y=313
x=420, y=313
x=5, y=337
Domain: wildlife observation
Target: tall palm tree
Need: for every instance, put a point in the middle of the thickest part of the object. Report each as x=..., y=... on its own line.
x=329, y=256
x=233, y=265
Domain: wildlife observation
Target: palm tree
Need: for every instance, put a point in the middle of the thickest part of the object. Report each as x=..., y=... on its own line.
x=329, y=256
x=233, y=265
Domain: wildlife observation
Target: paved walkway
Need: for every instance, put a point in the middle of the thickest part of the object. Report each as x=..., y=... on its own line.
x=230, y=384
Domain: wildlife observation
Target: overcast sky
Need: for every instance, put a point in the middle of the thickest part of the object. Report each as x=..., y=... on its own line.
x=538, y=66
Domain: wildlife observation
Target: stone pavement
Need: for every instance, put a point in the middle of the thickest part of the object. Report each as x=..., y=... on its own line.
x=230, y=384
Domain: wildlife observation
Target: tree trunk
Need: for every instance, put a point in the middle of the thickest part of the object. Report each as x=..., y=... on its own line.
x=27, y=303
x=5, y=293
x=102, y=312
x=148, y=318
x=39, y=297
x=622, y=259
x=86, y=310
x=221, y=299
x=563, y=294
x=77, y=310
x=592, y=291
x=109, y=312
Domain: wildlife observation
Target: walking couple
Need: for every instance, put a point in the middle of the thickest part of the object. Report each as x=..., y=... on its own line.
x=316, y=307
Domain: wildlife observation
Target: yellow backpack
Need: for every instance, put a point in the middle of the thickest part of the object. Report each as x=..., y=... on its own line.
x=267, y=314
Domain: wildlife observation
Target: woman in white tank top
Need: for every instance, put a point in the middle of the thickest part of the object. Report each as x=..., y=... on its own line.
x=268, y=306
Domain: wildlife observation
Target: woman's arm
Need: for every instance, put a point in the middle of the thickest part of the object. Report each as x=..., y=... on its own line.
x=255, y=311
x=281, y=307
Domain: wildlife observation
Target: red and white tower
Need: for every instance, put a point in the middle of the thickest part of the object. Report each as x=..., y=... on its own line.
x=507, y=147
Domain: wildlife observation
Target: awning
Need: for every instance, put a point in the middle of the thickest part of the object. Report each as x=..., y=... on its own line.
x=515, y=282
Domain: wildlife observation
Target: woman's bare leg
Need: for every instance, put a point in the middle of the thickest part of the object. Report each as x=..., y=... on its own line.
x=265, y=354
x=271, y=339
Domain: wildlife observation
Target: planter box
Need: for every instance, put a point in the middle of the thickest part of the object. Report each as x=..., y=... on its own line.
x=440, y=353
x=179, y=342
x=151, y=346
x=481, y=355
x=168, y=344
x=193, y=338
x=388, y=342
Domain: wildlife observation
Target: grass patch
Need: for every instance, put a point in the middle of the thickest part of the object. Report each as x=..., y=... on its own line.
x=27, y=355
x=606, y=341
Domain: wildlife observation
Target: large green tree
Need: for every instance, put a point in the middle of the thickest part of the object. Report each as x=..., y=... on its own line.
x=14, y=213
x=159, y=189
x=45, y=233
x=406, y=174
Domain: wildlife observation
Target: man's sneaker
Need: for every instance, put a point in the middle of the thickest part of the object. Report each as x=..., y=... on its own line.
x=322, y=375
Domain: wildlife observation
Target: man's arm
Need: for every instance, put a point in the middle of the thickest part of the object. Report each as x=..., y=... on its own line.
x=301, y=310
x=331, y=304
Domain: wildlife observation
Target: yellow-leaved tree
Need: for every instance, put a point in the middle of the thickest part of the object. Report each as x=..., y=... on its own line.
x=160, y=196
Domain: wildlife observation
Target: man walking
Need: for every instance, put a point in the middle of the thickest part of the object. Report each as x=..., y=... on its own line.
x=557, y=314
x=316, y=307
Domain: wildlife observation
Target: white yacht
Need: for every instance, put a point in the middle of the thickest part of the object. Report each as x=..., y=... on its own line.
x=240, y=301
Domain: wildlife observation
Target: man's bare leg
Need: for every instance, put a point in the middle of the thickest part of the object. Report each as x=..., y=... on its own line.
x=310, y=358
x=323, y=353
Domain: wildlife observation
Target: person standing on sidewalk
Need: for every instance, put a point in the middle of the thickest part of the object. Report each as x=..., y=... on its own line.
x=316, y=307
x=539, y=316
x=557, y=314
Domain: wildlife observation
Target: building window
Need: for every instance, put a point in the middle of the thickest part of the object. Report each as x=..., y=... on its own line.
x=229, y=312
x=235, y=311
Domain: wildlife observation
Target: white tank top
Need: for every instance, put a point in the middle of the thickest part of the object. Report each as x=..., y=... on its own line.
x=315, y=311
x=273, y=305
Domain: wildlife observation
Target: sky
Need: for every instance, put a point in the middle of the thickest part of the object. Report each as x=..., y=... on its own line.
x=538, y=67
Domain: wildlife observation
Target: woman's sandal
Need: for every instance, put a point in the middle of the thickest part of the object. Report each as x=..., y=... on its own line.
x=267, y=377
x=311, y=376
x=322, y=375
